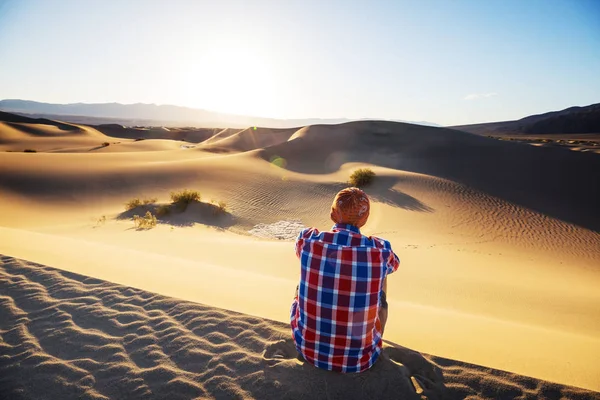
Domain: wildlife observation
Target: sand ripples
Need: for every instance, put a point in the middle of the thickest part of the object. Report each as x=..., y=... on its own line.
x=67, y=336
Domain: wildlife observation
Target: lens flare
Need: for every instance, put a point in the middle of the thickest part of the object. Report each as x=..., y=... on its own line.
x=278, y=161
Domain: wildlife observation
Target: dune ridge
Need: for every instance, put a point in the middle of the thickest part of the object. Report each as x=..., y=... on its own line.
x=71, y=336
x=248, y=139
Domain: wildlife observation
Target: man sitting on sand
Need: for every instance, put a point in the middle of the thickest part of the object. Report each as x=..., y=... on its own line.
x=340, y=308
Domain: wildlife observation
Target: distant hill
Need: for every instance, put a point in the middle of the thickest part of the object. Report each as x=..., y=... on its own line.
x=15, y=118
x=155, y=115
x=568, y=121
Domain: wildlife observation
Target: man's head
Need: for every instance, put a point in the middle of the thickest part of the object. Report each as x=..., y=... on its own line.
x=351, y=206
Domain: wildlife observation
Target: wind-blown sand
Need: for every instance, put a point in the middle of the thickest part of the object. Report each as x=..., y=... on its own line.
x=499, y=244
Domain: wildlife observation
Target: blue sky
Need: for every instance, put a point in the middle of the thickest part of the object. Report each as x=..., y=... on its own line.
x=448, y=62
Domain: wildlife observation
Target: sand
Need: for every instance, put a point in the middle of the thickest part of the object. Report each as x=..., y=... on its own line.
x=66, y=335
x=499, y=243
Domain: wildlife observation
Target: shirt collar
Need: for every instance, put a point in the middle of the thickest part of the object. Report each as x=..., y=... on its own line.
x=346, y=227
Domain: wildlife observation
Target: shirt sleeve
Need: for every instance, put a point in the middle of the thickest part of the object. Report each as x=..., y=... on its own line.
x=393, y=262
x=300, y=242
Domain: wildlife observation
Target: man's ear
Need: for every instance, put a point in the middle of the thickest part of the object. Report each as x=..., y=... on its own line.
x=365, y=221
x=332, y=216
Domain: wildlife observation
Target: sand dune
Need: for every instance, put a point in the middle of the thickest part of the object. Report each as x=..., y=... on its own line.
x=551, y=181
x=18, y=133
x=43, y=135
x=222, y=134
x=192, y=135
x=65, y=335
x=249, y=139
x=499, y=241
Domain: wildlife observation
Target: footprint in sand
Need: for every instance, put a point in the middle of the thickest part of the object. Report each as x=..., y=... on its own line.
x=427, y=379
x=281, y=350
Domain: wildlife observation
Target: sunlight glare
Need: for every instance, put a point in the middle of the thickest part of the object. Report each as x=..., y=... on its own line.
x=231, y=77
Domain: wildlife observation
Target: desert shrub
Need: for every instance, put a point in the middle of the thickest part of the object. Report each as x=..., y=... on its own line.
x=133, y=203
x=148, y=221
x=137, y=202
x=220, y=207
x=29, y=151
x=184, y=197
x=361, y=177
x=101, y=220
x=105, y=144
x=162, y=210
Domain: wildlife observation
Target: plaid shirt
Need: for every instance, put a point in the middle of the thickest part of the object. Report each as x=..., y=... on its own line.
x=334, y=317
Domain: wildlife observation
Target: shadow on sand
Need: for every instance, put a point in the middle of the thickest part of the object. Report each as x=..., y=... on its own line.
x=177, y=215
x=382, y=190
x=399, y=373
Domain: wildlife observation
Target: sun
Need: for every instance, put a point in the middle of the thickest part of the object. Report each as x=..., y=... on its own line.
x=232, y=77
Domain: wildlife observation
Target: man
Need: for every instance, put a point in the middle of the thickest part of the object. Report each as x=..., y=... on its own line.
x=339, y=312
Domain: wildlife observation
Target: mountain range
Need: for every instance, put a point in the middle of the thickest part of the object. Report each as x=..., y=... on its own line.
x=573, y=120
x=157, y=115
x=568, y=121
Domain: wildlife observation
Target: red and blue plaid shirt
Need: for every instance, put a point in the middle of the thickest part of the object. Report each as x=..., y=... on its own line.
x=334, y=318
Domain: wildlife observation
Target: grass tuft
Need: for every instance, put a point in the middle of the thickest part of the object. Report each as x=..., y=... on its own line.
x=220, y=207
x=361, y=177
x=137, y=202
x=184, y=197
x=148, y=221
x=133, y=203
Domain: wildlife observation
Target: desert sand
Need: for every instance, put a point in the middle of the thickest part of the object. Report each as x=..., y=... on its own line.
x=497, y=293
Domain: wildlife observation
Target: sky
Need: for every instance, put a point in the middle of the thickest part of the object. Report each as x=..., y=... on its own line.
x=449, y=62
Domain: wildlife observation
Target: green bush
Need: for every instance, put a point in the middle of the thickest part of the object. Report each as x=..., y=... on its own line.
x=148, y=221
x=361, y=177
